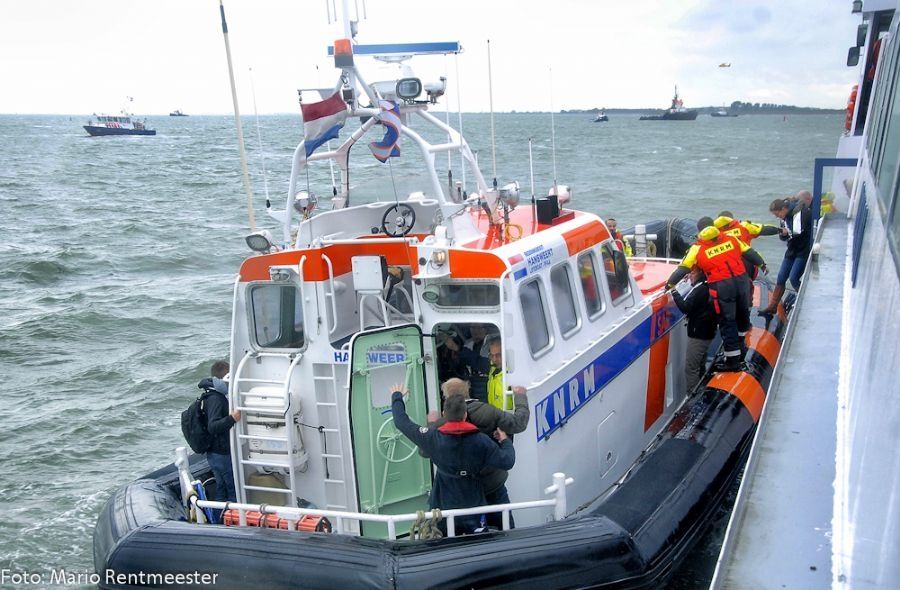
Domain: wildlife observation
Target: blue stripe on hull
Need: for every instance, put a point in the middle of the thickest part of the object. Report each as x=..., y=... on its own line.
x=557, y=408
x=95, y=130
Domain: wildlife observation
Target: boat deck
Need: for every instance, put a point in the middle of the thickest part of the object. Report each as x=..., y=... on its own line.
x=780, y=532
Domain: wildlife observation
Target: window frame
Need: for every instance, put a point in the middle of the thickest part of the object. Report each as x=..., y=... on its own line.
x=457, y=307
x=536, y=354
x=251, y=316
x=628, y=290
x=591, y=255
x=575, y=307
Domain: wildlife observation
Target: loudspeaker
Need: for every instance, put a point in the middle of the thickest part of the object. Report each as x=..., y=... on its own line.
x=547, y=209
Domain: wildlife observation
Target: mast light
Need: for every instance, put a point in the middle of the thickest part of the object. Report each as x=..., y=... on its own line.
x=343, y=53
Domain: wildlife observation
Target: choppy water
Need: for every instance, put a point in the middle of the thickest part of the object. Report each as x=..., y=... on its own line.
x=117, y=258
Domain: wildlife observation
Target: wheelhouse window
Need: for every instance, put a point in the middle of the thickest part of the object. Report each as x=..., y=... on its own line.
x=277, y=315
x=536, y=320
x=587, y=274
x=616, y=269
x=463, y=294
x=564, y=300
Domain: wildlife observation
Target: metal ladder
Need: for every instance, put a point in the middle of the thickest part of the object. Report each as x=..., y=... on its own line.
x=267, y=402
x=326, y=390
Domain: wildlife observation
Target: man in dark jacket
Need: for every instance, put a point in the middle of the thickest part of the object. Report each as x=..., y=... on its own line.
x=701, y=326
x=459, y=452
x=796, y=230
x=488, y=419
x=218, y=422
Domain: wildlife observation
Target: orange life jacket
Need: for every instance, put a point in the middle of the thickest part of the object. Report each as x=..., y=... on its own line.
x=736, y=229
x=720, y=258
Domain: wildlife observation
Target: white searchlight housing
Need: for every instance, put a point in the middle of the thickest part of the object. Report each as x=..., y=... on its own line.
x=260, y=241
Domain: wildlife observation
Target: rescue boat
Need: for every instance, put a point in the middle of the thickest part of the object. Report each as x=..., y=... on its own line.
x=618, y=472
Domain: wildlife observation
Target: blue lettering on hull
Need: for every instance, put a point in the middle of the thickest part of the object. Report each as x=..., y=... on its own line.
x=373, y=357
x=557, y=408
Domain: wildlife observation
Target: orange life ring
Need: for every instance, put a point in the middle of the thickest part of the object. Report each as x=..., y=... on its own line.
x=851, y=106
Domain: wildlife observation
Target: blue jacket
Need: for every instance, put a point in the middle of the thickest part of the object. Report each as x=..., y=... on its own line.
x=218, y=418
x=459, y=452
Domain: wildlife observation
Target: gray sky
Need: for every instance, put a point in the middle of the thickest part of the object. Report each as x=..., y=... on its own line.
x=62, y=56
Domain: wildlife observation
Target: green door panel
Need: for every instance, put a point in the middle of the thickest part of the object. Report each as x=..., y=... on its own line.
x=391, y=476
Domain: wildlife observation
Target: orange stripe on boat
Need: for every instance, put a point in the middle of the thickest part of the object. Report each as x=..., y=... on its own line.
x=473, y=264
x=585, y=236
x=743, y=386
x=256, y=268
x=656, y=381
x=764, y=343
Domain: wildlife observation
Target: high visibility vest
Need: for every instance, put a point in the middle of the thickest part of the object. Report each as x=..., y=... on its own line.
x=495, y=395
x=720, y=258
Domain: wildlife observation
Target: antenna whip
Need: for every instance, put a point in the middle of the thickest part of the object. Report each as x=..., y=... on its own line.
x=237, y=119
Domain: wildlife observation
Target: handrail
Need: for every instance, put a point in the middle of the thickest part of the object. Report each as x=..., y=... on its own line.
x=292, y=514
x=330, y=294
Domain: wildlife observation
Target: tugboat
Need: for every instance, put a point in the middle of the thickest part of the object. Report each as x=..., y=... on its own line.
x=177, y=113
x=619, y=469
x=676, y=112
x=601, y=117
x=122, y=124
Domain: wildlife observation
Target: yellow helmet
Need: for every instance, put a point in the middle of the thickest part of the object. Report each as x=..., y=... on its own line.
x=708, y=233
x=722, y=221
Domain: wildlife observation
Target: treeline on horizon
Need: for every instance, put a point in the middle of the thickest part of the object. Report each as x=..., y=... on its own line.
x=737, y=107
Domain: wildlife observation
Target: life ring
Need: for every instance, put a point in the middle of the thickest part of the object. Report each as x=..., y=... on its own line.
x=851, y=106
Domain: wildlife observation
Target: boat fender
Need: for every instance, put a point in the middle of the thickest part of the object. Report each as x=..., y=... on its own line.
x=851, y=106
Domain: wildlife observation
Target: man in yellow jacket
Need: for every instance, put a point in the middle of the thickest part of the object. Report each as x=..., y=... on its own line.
x=495, y=391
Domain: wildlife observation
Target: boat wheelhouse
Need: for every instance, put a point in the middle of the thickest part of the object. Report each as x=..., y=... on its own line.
x=619, y=468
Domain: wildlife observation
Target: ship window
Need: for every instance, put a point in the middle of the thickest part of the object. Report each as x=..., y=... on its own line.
x=277, y=315
x=466, y=295
x=535, y=318
x=888, y=170
x=616, y=269
x=589, y=286
x=564, y=300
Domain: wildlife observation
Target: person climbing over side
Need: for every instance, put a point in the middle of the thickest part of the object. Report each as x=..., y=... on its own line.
x=721, y=258
x=219, y=422
x=459, y=453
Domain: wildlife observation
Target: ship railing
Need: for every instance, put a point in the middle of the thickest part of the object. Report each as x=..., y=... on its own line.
x=341, y=518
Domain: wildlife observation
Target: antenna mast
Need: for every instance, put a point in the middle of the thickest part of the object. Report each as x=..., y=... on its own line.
x=491, y=103
x=552, y=131
x=237, y=120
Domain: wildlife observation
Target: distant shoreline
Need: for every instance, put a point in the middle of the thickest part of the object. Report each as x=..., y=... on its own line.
x=583, y=112
x=737, y=108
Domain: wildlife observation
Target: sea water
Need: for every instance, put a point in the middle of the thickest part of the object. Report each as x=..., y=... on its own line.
x=118, y=256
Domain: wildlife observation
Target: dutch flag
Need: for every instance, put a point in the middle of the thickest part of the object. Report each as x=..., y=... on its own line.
x=322, y=121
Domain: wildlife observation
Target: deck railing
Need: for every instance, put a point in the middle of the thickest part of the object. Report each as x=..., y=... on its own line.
x=292, y=515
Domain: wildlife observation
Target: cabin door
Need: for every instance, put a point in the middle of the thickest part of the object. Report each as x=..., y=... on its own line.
x=391, y=476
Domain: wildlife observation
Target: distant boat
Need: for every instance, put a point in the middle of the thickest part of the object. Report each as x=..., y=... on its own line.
x=118, y=125
x=177, y=113
x=676, y=112
x=601, y=117
x=722, y=113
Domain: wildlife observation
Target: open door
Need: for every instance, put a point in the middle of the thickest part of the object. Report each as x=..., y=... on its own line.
x=391, y=476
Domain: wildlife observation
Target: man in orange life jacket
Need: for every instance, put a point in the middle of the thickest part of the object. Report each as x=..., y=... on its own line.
x=721, y=257
x=745, y=231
